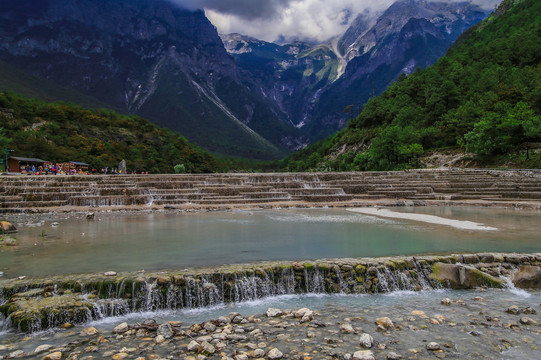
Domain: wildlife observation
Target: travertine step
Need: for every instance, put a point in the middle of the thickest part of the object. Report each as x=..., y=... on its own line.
x=32, y=191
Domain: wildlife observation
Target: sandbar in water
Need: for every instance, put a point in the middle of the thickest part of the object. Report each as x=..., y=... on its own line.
x=432, y=219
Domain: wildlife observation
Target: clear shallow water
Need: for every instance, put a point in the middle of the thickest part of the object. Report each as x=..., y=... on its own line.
x=493, y=339
x=154, y=241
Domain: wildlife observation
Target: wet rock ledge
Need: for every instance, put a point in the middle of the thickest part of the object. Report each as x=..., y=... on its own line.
x=41, y=303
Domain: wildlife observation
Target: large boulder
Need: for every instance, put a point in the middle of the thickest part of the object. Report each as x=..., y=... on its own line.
x=528, y=277
x=463, y=277
x=7, y=227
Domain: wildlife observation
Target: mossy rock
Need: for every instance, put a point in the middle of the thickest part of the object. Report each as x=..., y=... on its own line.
x=8, y=241
x=463, y=277
x=324, y=266
x=360, y=269
x=260, y=272
x=309, y=266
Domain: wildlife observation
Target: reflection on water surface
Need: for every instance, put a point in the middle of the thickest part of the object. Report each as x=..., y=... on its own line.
x=154, y=241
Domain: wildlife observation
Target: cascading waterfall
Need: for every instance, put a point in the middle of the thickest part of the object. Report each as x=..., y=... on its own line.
x=101, y=297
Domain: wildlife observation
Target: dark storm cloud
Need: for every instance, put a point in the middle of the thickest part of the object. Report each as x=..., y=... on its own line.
x=245, y=9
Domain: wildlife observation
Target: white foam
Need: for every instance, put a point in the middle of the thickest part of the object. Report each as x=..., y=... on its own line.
x=432, y=219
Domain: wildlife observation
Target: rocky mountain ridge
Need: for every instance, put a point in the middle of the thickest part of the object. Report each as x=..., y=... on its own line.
x=314, y=85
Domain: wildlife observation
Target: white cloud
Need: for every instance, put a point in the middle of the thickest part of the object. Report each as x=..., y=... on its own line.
x=308, y=20
x=315, y=20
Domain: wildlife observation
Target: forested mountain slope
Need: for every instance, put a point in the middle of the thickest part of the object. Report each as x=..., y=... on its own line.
x=483, y=96
x=61, y=132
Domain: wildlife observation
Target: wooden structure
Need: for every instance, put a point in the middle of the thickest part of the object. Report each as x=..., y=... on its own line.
x=20, y=164
x=72, y=167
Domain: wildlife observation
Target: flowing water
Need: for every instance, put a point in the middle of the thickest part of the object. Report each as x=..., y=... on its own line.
x=475, y=328
x=57, y=244
x=63, y=244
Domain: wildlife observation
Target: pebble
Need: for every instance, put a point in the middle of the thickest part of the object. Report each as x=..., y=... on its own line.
x=207, y=348
x=527, y=321
x=42, y=348
x=419, y=313
x=446, y=301
x=166, y=330
x=16, y=354
x=393, y=356
x=121, y=328
x=120, y=356
x=347, y=328
x=109, y=273
x=272, y=312
x=159, y=339
x=364, y=355
x=89, y=331
x=384, y=322
x=433, y=346
x=274, y=353
x=57, y=355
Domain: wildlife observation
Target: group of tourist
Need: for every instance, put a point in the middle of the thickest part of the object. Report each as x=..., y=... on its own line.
x=49, y=169
x=115, y=171
x=59, y=169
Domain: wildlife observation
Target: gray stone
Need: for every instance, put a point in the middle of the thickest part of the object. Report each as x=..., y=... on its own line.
x=122, y=167
x=470, y=259
x=366, y=340
x=209, y=327
x=259, y=353
x=486, y=258
x=528, y=277
x=109, y=273
x=513, y=309
x=166, y=330
x=193, y=346
x=433, y=346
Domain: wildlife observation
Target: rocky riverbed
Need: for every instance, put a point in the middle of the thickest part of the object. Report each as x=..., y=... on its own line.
x=474, y=324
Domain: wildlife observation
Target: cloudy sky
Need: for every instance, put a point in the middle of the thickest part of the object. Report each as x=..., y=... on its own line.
x=309, y=20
